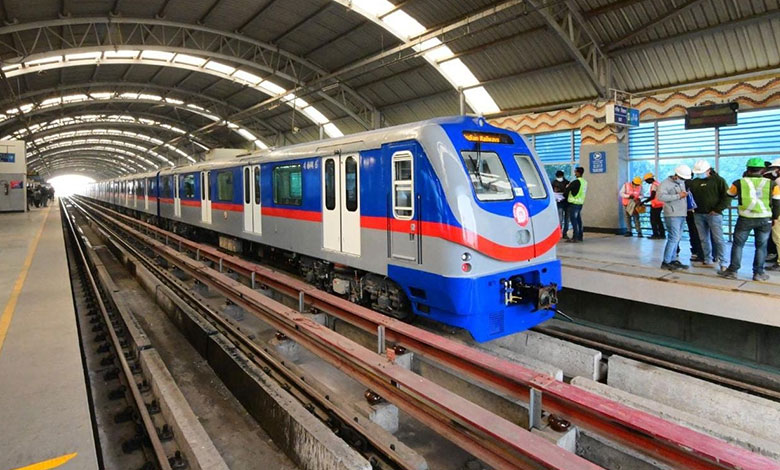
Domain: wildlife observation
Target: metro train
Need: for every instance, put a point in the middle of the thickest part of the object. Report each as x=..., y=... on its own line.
x=451, y=219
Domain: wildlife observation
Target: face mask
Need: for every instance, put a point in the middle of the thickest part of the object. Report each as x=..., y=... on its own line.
x=559, y=179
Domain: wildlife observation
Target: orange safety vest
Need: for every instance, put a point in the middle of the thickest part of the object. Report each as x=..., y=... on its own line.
x=656, y=203
x=631, y=190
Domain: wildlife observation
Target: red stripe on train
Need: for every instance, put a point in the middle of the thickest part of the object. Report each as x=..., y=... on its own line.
x=298, y=214
x=227, y=206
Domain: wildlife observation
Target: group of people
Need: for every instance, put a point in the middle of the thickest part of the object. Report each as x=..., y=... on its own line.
x=39, y=195
x=570, y=196
x=700, y=203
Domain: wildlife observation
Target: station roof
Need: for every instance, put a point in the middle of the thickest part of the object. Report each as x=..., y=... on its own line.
x=158, y=82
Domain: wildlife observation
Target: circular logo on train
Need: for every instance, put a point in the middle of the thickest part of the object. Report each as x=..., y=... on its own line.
x=521, y=214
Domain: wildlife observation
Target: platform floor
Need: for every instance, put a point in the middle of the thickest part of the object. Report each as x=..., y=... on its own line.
x=44, y=412
x=629, y=268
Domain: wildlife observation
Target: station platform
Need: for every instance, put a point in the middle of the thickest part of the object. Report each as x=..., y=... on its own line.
x=44, y=411
x=630, y=268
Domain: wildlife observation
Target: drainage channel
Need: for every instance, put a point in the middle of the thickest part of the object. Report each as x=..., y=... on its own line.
x=140, y=419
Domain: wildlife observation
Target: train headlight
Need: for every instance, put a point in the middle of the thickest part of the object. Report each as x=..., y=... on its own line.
x=466, y=256
x=523, y=237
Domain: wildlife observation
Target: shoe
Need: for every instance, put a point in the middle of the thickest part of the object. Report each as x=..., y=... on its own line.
x=728, y=274
x=679, y=265
x=669, y=267
x=774, y=267
x=640, y=236
x=761, y=277
x=707, y=264
x=571, y=240
x=628, y=234
x=565, y=237
x=696, y=259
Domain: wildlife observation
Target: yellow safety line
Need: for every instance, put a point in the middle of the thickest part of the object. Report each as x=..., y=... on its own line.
x=8, y=312
x=48, y=464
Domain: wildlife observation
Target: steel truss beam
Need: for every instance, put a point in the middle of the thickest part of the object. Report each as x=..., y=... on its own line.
x=212, y=104
x=128, y=154
x=74, y=34
x=170, y=154
x=103, y=159
x=568, y=23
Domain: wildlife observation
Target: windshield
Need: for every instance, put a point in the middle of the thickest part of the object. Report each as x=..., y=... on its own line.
x=533, y=180
x=490, y=181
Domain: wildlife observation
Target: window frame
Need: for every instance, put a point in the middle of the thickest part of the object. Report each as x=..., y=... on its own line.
x=348, y=203
x=229, y=172
x=274, y=186
x=537, y=175
x=330, y=192
x=402, y=156
x=510, y=193
x=183, y=186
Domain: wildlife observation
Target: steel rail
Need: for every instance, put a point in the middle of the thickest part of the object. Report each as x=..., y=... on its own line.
x=271, y=365
x=489, y=437
x=140, y=403
x=649, y=434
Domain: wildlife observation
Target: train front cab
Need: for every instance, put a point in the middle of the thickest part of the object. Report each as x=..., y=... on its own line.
x=497, y=274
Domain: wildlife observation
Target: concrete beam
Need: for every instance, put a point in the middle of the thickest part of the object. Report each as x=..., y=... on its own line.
x=573, y=359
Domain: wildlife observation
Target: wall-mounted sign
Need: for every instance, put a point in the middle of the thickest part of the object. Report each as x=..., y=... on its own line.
x=7, y=157
x=716, y=115
x=598, y=162
x=622, y=115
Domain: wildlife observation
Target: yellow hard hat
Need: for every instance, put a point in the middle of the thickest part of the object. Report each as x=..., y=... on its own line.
x=637, y=180
x=648, y=176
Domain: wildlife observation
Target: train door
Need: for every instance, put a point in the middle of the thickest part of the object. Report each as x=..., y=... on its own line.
x=341, y=203
x=146, y=193
x=205, y=197
x=176, y=197
x=134, y=192
x=403, y=229
x=252, y=207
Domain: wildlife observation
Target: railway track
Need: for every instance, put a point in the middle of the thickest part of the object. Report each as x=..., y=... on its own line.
x=489, y=437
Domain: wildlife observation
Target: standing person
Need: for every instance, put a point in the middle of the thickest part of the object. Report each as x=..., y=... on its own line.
x=559, y=188
x=575, y=195
x=630, y=195
x=711, y=195
x=759, y=205
x=673, y=194
x=656, y=208
x=773, y=172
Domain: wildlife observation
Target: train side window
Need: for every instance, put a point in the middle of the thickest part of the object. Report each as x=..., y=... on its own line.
x=351, y=183
x=287, y=185
x=247, y=182
x=532, y=177
x=257, y=185
x=166, y=187
x=330, y=184
x=139, y=188
x=225, y=185
x=188, y=186
x=403, y=185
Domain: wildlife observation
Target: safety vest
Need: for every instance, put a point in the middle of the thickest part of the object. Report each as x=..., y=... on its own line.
x=756, y=199
x=579, y=199
x=656, y=203
x=632, y=191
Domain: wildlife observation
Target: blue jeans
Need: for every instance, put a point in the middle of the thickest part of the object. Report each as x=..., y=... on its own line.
x=563, y=216
x=710, y=228
x=761, y=229
x=575, y=216
x=674, y=227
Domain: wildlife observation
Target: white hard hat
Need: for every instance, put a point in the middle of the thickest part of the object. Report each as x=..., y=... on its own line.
x=775, y=163
x=684, y=172
x=701, y=166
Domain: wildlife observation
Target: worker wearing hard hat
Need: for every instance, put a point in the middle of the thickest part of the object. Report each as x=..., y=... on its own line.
x=631, y=197
x=656, y=208
x=773, y=172
x=710, y=192
x=673, y=194
x=759, y=205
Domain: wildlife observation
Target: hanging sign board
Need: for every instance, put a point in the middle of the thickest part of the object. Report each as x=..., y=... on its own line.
x=620, y=115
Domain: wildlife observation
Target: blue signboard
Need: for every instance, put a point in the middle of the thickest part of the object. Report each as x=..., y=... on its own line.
x=598, y=162
x=7, y=157
x=626, y=116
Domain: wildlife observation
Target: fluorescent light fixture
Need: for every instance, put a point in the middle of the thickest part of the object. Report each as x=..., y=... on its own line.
x=247, y=135
x=157, y=55
x=173, y=101
x=219, y=67
x=231, y=125
x=260, y=144
x=403, y=25
x=101, y=95
x=480, y=100
x=44, y=60
x=143, y=96
x=129, y=96
x=195, y=106
x=83, y=56
x=332, y=131
x=315, y=115
x=72, y=98
x=457, y=73
x=192, y=160
x=270, y=87
x=8, y=68
x=121, y=54
x=50, y=102
x=247, y=77
x=189, y=60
